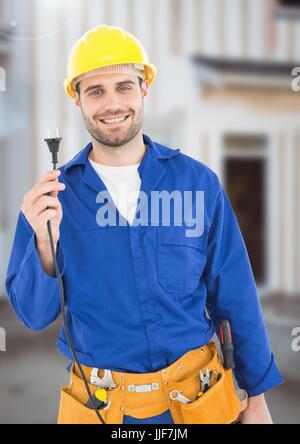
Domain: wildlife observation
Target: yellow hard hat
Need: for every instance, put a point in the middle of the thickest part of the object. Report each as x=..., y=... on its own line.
x=106, y=46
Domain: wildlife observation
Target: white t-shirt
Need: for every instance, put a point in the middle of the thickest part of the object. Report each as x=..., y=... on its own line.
x=123, y=184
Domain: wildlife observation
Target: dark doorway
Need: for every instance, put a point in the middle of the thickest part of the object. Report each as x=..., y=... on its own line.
x=245, y=185
x=289, y=3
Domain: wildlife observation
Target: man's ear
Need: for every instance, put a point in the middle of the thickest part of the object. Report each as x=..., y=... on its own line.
x=77, y=99
x=145, y=88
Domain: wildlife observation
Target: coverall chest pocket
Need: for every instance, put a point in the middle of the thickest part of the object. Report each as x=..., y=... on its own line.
x=180, y=259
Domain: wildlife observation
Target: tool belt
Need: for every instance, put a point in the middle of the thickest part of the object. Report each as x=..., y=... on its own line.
x=143, y=395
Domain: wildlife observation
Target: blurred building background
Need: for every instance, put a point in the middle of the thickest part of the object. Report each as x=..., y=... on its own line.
x=223, y=94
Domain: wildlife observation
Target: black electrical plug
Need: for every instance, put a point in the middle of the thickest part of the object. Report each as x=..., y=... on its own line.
x=53, y=145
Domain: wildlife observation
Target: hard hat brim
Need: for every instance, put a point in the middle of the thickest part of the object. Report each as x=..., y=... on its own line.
x=150, y=72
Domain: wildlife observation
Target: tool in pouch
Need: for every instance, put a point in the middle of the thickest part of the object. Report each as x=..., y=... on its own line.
x=176, y=395
x=100, y=400
x=227, y=350
x=226, y=344
x=205, y=381
x=104, y=384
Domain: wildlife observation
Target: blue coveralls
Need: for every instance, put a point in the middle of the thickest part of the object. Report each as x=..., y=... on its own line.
x=136, y=295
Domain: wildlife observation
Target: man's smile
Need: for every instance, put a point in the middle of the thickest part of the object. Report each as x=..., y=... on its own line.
x=115, y=122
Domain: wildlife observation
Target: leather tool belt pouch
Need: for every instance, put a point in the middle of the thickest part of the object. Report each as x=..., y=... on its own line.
x=143, y=395
x=72, y=409
x=220, y=404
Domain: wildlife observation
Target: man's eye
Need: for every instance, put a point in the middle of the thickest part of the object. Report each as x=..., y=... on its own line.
x=125, y=88
x=95, y=92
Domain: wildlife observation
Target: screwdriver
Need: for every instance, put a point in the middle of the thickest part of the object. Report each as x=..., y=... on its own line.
x=226, y=344
x=99, y=400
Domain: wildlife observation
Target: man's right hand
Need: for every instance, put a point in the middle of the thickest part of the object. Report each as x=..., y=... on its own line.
x=39, y=208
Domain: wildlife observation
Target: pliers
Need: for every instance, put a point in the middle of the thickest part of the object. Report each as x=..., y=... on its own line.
x=205, y=380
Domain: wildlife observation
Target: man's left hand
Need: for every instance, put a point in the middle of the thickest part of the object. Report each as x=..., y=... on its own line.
x=257, y=411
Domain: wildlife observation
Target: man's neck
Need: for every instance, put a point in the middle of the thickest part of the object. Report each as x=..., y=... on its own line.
x=130, y=154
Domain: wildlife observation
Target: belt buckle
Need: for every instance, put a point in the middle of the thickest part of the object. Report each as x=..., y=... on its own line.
x=143, y=387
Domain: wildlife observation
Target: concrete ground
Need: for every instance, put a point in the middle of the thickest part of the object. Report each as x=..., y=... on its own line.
x=32, y=370
x=282, y=315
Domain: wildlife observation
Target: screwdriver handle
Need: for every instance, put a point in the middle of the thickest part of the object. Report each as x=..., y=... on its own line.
x=226, y=344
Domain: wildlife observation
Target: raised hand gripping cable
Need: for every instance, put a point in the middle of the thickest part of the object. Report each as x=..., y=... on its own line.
x=53, y=145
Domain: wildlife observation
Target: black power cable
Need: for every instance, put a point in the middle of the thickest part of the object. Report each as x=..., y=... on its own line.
x=53, y=145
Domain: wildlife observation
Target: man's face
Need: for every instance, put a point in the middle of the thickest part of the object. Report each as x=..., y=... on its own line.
x=107, y=96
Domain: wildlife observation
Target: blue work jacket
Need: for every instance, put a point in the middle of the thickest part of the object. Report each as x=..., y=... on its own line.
x=139, y=297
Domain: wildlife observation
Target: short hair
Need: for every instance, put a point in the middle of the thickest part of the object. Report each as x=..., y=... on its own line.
x=77, y=87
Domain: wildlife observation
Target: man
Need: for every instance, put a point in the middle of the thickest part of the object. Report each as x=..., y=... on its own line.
x=137, y=293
